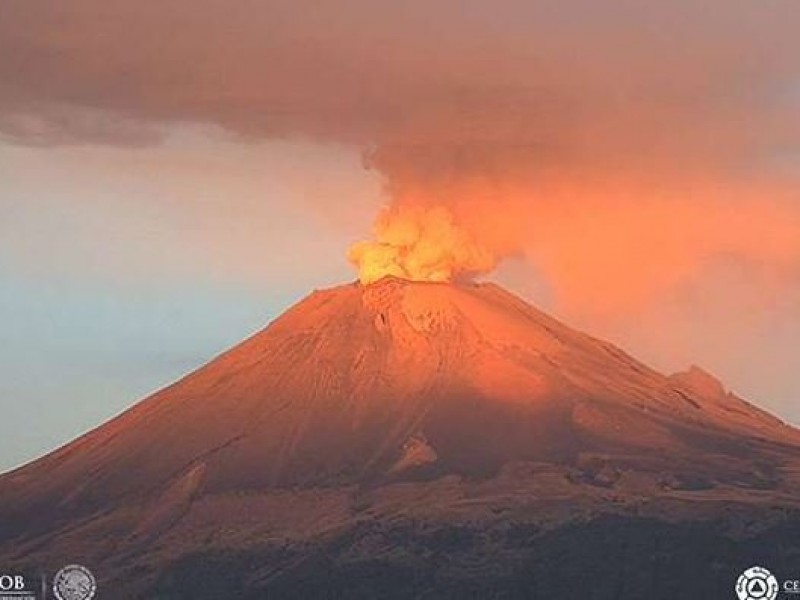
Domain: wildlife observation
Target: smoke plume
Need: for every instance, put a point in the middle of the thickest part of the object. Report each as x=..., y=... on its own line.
x=421, y=245
x=617, y=146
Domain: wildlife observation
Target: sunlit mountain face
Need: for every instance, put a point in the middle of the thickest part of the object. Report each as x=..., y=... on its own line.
x=174, y=174
x=403, y=438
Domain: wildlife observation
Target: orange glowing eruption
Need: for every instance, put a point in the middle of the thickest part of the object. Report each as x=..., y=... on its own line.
x=420, y=244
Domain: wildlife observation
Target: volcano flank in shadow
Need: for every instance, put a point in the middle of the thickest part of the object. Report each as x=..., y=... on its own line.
x=409, y=439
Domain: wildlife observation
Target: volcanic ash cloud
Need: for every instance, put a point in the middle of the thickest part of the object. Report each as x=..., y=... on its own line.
x=420, y=244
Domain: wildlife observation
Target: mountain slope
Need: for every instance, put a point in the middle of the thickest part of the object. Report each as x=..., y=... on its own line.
x=395, y=398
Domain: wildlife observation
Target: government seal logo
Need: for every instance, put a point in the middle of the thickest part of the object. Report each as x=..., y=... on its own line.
x=757, y=583
x=74, y=582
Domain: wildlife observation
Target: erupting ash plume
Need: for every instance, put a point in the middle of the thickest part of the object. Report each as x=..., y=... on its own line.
x=636, y=157
x=420, y=244
x=659, y=132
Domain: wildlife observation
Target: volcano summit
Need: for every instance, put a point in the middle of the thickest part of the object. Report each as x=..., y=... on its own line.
x=412, y=439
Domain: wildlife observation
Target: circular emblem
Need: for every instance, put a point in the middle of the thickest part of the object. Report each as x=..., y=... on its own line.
x=757, y=583
x=74, y=582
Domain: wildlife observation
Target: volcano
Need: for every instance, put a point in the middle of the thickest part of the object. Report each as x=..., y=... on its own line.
x=410, y=439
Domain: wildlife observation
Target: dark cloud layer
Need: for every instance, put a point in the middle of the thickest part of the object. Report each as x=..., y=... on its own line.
x=442, y=84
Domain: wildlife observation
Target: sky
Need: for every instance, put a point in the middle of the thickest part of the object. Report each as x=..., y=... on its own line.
x=173, y=175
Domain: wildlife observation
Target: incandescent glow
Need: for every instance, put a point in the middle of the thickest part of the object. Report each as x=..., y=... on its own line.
x=420, y=244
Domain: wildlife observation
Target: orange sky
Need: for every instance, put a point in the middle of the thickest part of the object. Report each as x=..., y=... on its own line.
x=635, y=165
